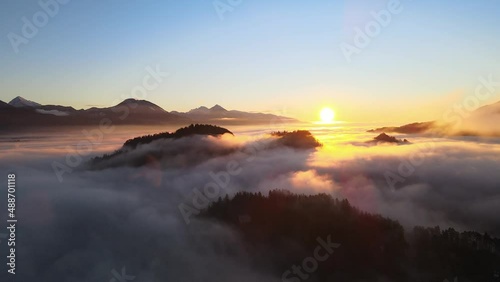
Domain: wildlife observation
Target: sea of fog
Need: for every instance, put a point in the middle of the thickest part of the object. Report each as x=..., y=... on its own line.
x=77, y=224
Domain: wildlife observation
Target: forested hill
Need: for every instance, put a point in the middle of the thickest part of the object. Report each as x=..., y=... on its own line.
x=281, y=230
x=193, y=129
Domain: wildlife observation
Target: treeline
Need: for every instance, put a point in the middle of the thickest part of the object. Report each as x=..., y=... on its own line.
x=466, y=254
x=193, y=129
x=301, y=139
x=281, y=229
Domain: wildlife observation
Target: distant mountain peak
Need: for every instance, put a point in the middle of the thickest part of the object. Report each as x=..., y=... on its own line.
x=133, y=103
x=218, y=108
x=200, y=110
x=130, y=100
x=20, y=102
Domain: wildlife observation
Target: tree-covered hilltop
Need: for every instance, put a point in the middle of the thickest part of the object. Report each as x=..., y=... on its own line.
x=300, y=139
x=281, y=230
x=285, y=227
x=193, y=129
x=384, y=138
x=172, y=152
x=192, y=152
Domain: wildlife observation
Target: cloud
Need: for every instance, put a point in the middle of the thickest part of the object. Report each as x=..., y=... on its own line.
x=96, y=221
x=456, y=184
x=53, y=112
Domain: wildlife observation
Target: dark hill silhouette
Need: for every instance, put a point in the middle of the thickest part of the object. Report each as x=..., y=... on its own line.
x=281, y=230
x=219, y=115
x=128, y=112
x=300, y=139
x=165, y=152
x=384, y=138
x=193, y=129
x=132, y=111
x=175, y=149
x=26, y=114
x=140, y=105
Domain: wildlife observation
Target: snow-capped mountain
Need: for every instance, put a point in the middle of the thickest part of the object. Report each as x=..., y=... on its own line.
x=20, y=102
x=21, y=112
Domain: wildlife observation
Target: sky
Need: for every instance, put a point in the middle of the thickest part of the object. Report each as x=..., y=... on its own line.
x=283, y=57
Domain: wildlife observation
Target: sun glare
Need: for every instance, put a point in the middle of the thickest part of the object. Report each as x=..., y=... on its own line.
x=327, y=115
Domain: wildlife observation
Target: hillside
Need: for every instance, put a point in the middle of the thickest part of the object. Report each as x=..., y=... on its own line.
x=281, y=229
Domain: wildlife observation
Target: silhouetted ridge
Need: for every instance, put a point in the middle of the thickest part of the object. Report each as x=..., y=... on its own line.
x=286, y=226
x=134, y=102
x=20, y=102
x=384, y=138
x=301, y=139
x=193, y=129
x=281, y=230
x=169, y=152
x=218, y=108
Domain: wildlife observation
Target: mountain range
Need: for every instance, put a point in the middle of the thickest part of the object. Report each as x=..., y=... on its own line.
x=22, y=113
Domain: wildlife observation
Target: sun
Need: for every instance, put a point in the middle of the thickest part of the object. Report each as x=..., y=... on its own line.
x=327, y=115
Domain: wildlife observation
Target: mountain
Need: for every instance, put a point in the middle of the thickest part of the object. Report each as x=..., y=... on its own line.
x=141, y=106
x=133, y=112
x=128, y=112
x=217, y=108
x=201, y=111
x=483, y=121
x=20, y=102
x=21, y=113
x=219, y=115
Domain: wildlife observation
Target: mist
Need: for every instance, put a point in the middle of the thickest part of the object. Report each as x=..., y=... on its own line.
x=97, y=221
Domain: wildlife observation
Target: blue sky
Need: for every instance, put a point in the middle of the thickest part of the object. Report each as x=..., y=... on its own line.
x=281, y=57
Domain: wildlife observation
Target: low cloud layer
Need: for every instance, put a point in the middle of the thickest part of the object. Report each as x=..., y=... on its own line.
x=96, y=221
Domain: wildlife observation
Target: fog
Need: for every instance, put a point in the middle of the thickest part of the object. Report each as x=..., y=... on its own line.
x=94, y=221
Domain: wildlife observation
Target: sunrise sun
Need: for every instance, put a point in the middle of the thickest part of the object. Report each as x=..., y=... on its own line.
x=327, y=115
